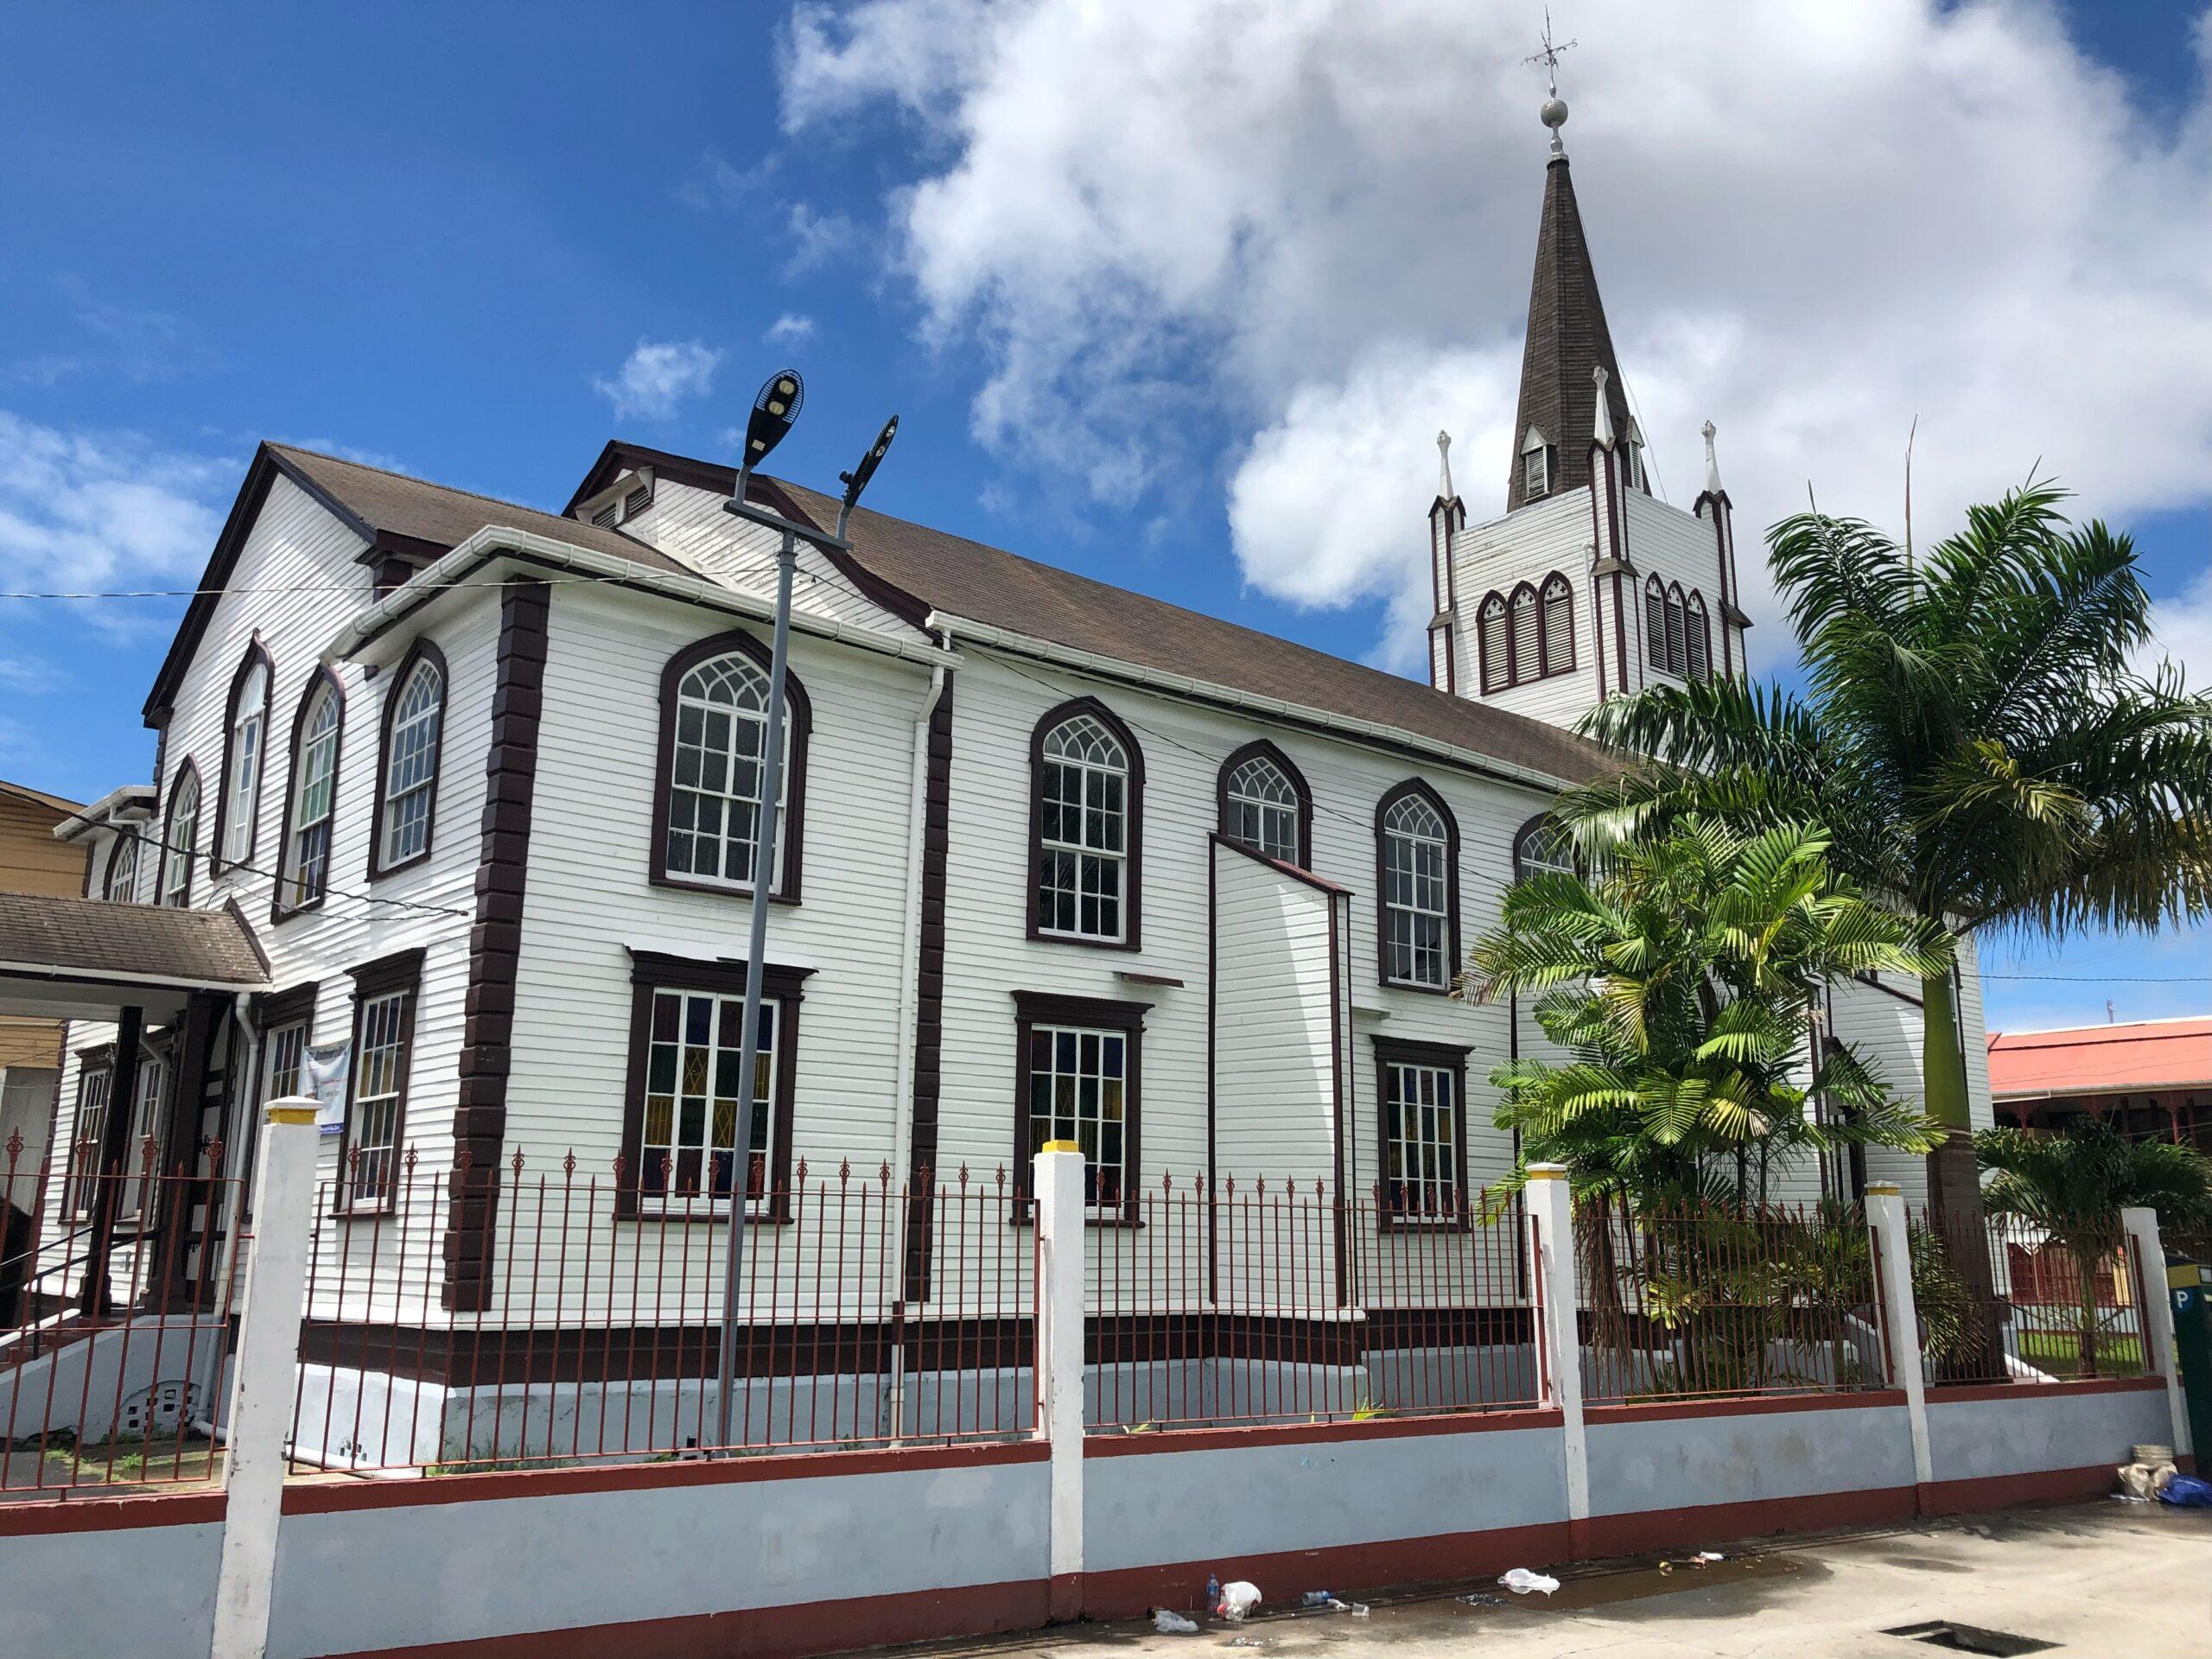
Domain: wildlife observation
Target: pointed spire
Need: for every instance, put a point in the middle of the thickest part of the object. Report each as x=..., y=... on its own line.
x=1567, y=338
x=1602, y=423
x=1711, y=465
x=1444, y=491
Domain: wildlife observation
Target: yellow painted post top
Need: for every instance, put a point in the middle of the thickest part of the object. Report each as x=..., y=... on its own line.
x=1061, y=1146
x=1882, y=1189
x=1547, y=1174
x=291, y=1113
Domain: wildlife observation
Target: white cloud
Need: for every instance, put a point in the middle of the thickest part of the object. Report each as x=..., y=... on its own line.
x=657, y=376
x=1314, y=223
x=816, y=239
x=790, y=329
x=95, y=511
x=2181, y=631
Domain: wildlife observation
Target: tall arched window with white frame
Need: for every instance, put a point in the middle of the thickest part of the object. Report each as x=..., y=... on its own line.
x=121, y=883
x=244, y=740
x=1264, y=804
x=1558, y=625
x=312, y=804
x=1417, y=880
x=181, y=841
x=407, y=782
x=1084, y=826
x=721, y=729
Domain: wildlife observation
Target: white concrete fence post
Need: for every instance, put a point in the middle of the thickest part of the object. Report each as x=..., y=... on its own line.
x=1057, y=1181
x=1900, y=1313
x=2159, y=1348
x=1551, y=1269
x=264, y=1381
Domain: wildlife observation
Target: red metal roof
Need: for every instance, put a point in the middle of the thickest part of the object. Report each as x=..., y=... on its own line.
x=2098, y=1059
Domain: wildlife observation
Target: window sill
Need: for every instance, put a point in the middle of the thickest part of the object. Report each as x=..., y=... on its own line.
x=719, y=889
x=378, y=870
x=1042, y=937
x=1417, y=990
x=280, y=913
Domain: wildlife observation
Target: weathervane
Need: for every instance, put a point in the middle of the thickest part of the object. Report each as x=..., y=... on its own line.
x=1553, y=114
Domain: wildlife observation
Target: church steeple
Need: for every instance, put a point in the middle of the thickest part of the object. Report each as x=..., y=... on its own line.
x=1566, y=339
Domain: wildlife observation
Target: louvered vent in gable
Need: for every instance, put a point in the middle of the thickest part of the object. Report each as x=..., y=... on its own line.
x=608, y=515
x=620, y=502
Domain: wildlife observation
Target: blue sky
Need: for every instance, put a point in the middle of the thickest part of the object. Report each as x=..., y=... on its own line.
x=1131, y=320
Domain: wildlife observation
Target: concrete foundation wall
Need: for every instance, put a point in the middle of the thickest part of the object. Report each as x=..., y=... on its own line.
x=2033, y=1430
x=1229, y=1503
x=1677, y=1461
x=147, y=1592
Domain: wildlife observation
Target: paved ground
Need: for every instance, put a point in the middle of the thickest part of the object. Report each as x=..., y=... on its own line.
x=2131, y=1581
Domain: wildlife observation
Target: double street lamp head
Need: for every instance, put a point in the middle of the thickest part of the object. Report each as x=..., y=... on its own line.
x=774, y=410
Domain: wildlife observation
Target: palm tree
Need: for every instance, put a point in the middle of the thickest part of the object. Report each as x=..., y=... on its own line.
x=1973, y=736
x=1681, y=980
x=2072, y=1186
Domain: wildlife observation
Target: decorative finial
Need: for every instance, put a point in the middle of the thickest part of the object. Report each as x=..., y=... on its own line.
x=1711, y=465
x=1603, y=431
x=1444, y=469
x=1553, y=114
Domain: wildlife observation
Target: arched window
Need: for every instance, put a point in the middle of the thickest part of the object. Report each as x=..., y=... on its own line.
x=1527, y=643
x=1700, y=637
x=121, y=883
x=245, y=729
x=712, y=761
x=1265, y=804
x=311, y=803
x=1543, y=846
x=1492, y=644
x=181, y=840
x=1085, y=826
x=1558, y=625
x=1655, y=624
x=407, y=770
x=1678, y=659
x=1417, y=881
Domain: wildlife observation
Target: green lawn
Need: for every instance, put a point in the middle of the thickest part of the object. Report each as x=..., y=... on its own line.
x=2060, y=1353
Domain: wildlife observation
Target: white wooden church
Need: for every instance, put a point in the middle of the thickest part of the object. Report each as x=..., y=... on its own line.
x=479, y=785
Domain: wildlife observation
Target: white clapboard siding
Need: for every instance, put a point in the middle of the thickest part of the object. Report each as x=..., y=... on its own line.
x=1554, y=535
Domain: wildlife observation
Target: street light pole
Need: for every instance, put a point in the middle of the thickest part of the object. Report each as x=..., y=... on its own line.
x=773, y=411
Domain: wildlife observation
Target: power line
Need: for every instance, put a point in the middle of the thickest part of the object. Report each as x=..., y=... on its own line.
x=147, y=839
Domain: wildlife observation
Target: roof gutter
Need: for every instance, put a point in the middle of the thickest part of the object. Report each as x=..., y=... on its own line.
x=1346, y=726
x=103, y=976
x=493, y=542
x=130, y=803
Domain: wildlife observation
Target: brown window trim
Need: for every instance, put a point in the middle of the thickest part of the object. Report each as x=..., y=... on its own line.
x=122, y=838
x=798, y=712
x=422, y=651
x=1133, y=851
x=189, y=769
x=652, y=971
x=78, y=1192
x=1261, y=746
x=400, y=971
x=1033, y=1009
x=1494, y=676
x=278, y=910
x=255, y=652
x=1448, y=1057
x=1391, y=797
x=287, y=1006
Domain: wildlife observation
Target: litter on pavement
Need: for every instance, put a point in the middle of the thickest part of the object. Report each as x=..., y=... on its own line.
x=1237, y=1599
x=1169, y=1623
x=1479, y=1599
x=1521, y=1581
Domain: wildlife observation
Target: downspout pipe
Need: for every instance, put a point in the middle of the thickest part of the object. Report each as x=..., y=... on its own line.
x=910, y=975
x=246, y=1040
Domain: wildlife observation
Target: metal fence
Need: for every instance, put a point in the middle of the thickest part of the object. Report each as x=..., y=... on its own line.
x=1710, y=1301
x=592, y=1325
x=2002, y=1301
x=1270, y=1301
x=116, y=1304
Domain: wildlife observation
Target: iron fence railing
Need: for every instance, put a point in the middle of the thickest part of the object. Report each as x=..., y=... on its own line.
x=116, y=1293
x=550, y=1315
x=1703, y=1301
x=2003, y=1301
x=1273, y=1300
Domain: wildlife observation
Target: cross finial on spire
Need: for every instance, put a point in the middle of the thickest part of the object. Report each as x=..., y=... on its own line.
x=1553, y=114
x=1444, y=466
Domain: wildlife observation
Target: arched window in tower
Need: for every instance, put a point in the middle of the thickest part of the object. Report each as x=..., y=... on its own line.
x=1528, y=642
x=1489, y=638
x=1558, y=625
x=1699, y=637
x=1655, y=624
x=1678, y=661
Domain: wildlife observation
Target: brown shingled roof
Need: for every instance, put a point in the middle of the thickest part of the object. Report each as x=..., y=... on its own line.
x=103, y=938
x=1567, y=339
x=968, y=578
x=394, y=504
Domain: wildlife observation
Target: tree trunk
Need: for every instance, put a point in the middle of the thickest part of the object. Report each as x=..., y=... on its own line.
x=1954, y=1181
x=2085, y=1295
